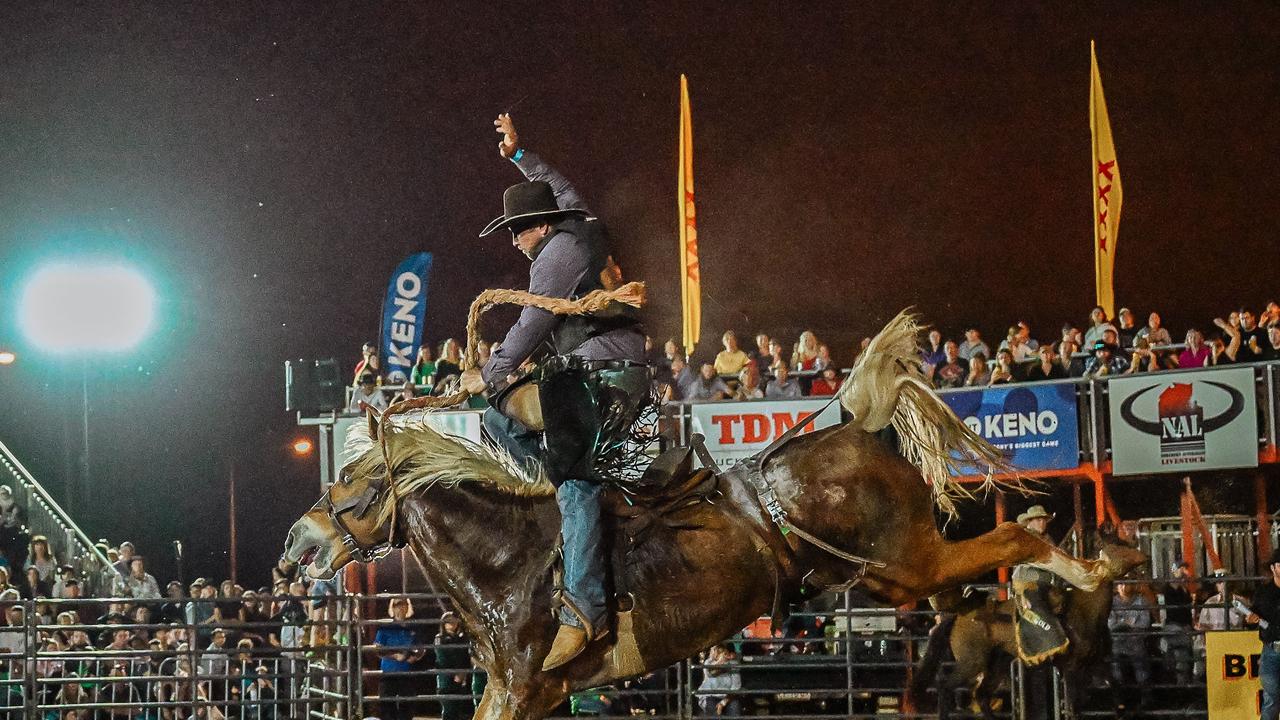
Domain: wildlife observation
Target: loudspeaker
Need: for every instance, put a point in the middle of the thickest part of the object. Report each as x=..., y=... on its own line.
x=313, y=386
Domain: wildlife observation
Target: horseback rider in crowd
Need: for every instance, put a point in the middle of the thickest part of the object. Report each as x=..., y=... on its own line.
x=1040, y=633
x=594, y=367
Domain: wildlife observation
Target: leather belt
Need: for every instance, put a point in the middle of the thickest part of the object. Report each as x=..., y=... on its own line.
x=598, y=365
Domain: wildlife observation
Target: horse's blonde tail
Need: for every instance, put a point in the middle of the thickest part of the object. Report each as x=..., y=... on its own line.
x=888, y=387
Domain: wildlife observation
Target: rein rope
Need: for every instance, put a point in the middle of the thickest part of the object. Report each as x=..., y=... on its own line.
x=632, y=293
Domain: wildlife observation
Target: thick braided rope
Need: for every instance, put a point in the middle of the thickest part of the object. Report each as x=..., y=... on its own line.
x=633, y=294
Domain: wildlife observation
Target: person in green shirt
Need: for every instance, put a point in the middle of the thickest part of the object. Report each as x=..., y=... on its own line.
x=424, y=369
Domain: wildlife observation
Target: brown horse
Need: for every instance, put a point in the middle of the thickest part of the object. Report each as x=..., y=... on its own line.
x=485, y=531
x=980, y=636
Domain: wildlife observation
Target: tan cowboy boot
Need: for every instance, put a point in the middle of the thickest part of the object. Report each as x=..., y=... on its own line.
x=569, y=643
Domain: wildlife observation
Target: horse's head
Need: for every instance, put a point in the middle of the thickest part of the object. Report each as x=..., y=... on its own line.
x=1119, y=556
x=347, y=522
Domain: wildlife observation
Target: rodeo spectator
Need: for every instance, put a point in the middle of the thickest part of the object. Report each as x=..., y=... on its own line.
x=805, y=355
x=761, y=355
x=679, y=386
x=979, y=375
x=1017, y=346
x=65, y=573
x=138, y=583
x=933, y=354
x=748, y=384
x=39, y=557
x=1272, y=349
x=951, y=372
x=782, y=387
x=1252, y=339
x=368, y=362
x=1153, y=332
x=1176, y=631
x=367, y=395
x=1104, y=361
x=1197, y=353
x=1002, y=373
x=707, y=386
x=775, y=355
x=124, y=556
x=1097, y=326
x=1225, y=351
x=1266, y=607
x=453, y=654
x=424, y=369
x=1126, y=330
x=402, y=649
x=449, y=364
x=1130, y=618
x=720, y=683
x=731, y=359
x=827, y=384
x=1046, y=366
x=1143, y=358
x=13, y=535
x=972, y=344
x=662, y=365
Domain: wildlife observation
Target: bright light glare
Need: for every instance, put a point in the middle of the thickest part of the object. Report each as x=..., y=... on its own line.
x=7, y=357
x=302, y=447
x=68, y=308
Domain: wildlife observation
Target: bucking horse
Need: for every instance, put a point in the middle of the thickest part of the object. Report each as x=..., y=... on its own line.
x=704, y=554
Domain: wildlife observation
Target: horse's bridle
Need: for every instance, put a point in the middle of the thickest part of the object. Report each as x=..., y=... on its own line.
x=358, y=504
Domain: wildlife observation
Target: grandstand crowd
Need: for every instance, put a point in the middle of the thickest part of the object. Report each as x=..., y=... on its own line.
x=768, y=369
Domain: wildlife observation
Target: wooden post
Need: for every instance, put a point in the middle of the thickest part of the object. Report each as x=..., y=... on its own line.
x=231, y=511
x=1003, y=573
x=1077, y=506
x=1264, y=520
x=1099, y=498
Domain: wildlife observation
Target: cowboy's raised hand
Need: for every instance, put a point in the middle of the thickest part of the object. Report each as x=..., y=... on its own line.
x=472, y=381
x=510, y=141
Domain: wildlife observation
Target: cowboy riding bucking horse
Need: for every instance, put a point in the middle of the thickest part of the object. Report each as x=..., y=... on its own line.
x=593, y=368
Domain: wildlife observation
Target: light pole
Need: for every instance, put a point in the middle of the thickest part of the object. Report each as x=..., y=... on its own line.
x=85, y=307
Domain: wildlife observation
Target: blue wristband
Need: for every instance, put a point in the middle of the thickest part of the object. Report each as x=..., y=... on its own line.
x=519, y=153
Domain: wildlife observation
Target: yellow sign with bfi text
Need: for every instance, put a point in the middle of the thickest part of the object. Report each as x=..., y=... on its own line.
x=1231, y=675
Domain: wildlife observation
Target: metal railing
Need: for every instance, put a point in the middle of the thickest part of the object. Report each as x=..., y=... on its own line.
x=44, y=516
x=340, y=658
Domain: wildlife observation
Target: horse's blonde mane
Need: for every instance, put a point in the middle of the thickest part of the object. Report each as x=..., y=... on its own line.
x=422, y=456
x=888, y=387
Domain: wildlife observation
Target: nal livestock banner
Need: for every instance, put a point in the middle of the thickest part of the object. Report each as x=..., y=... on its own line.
x=404, y=314
x=1203, y=420
x=737, y=430
x=1035, y=425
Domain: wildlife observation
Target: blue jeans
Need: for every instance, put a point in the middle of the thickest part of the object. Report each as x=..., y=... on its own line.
x=579, y=502
x=1269, y=674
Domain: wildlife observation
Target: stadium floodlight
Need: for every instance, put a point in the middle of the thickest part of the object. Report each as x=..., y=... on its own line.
x=71, y=307
x=7, y=357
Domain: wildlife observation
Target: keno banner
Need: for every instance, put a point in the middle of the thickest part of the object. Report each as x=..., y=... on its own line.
x=404, y=315
x=1201, y=420
x=738, y=430
x=1036, y=426
x=1231, y=675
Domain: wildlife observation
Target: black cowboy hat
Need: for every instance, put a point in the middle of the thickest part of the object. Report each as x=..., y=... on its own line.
x=526, y=203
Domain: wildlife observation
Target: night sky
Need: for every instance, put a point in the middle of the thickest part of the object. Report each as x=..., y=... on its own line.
x=269, y=166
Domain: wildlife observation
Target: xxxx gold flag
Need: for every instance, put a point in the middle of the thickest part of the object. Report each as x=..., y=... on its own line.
x=1106, y=190
x=690, y=281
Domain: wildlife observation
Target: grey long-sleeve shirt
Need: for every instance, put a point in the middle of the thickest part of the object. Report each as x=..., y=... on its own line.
x=560, y=270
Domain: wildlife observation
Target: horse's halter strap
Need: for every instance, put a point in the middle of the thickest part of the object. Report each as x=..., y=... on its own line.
x=359, y=504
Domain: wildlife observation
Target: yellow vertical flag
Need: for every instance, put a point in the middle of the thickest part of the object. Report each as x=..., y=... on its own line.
x=690, y=281
x=1106, y=191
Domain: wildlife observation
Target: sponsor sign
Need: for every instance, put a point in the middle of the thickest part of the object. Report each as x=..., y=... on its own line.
x=463, y=423
x=1231, y=675
x=1036, y=426
x=737, y=430
x=404, y=314
x=1200, y=420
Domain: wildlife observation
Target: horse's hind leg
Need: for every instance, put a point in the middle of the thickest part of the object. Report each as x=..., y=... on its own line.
x=500, y=703
x=955, y=563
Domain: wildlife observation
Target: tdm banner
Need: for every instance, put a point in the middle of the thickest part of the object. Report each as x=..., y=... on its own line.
x=404, y=314
x=1202, y=420
x=1034, y=425
x=738, y=430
